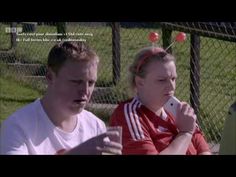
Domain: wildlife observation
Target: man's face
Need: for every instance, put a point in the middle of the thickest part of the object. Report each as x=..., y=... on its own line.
x=73, y=85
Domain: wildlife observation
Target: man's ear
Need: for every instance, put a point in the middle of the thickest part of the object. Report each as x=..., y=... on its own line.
x=139, y=81
x=50, y=76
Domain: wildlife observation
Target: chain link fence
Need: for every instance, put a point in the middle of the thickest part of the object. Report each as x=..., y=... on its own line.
x=206, y=62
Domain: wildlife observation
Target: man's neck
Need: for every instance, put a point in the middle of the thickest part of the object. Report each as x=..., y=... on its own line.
x=57, y=117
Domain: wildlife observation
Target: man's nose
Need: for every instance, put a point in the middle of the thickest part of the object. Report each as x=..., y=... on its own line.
x=85, y=88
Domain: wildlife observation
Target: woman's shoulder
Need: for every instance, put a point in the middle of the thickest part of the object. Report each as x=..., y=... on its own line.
x=123, y=103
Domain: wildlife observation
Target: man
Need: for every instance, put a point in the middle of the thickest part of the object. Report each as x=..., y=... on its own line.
x=58, y=123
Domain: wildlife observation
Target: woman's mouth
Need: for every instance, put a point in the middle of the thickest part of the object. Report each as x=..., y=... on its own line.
x=169, y=94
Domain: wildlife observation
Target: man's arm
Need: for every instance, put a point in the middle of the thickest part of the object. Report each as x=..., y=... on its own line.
x=12, y=141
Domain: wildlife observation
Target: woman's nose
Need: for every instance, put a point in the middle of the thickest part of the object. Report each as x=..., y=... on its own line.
x=172, y=84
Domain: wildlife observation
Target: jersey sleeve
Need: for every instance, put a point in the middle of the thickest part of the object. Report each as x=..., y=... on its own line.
x=199, y=142
x=135, y=135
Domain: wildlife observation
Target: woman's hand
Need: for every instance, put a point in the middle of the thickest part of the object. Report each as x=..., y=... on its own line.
x=186, y=118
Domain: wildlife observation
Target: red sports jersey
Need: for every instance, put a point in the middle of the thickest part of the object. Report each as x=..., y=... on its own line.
x=146, y=133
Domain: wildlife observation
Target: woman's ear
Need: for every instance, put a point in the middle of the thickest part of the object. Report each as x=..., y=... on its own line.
x=139, y=81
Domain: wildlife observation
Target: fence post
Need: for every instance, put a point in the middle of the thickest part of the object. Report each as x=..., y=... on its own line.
x=61, y=29
x=166, y=33
x=115, y=51
x=195, y=73
x=13, y=35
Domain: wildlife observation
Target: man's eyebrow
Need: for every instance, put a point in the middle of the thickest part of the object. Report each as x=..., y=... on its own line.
x=75, y=80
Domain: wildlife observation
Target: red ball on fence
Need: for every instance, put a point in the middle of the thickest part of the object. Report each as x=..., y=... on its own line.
x=180, y=37
x=153, y=36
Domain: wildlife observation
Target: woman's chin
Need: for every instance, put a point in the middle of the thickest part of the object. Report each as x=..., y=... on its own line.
x=168, y=96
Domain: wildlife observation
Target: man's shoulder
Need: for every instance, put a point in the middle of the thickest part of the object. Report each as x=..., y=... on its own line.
x=24, y=112
x=91, y=116
x=91, y=121
x=88, y=113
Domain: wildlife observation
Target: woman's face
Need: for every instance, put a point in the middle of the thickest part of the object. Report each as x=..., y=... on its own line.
x=158, y=85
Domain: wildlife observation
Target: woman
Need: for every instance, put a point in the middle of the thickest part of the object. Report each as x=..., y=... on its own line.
x=147, y=127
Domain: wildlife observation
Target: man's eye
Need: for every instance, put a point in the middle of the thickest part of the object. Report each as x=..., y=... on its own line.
x=91, y=83
x=76, y=82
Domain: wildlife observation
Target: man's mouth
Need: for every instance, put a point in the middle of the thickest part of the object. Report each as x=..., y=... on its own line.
x=80, y=101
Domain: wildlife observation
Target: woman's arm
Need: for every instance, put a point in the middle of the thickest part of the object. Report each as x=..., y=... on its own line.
x=179, y=145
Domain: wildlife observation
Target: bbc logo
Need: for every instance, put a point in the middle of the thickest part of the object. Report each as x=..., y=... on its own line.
x=13, y=29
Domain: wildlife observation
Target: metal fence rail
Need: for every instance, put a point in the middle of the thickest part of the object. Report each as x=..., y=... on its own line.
x=206, y=62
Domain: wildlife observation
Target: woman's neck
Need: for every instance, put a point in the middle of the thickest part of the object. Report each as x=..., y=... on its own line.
x=154, y=108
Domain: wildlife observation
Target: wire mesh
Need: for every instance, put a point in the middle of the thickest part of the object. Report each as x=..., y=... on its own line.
x=25, y=64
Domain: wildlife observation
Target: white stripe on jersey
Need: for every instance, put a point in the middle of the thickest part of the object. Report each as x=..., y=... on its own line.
x=137, y=120
x=132, y=119
x=128, y=121
x=132, y=106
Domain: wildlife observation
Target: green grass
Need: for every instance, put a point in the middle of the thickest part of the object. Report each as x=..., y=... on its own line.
x=218, y=70
x=14, y=95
